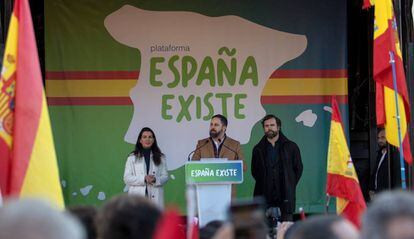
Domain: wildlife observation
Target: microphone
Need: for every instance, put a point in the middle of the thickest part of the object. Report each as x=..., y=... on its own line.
x=199, y=147
x=232, y=150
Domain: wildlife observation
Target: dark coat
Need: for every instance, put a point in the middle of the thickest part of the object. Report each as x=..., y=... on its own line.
x=292, y=171
x=383, y=180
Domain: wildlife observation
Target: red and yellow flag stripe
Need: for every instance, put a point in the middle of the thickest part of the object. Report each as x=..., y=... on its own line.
x=90, y=87
x=316, y=87
x=342, y=180
x=7, y=104
x=386, y=41
x=113, y=87
x=27, y=153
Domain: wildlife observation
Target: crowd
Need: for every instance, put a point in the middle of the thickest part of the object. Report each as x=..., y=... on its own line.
x=389, y=216
x=276, y=169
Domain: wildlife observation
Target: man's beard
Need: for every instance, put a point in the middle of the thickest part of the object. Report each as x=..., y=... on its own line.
x=214, y=134
x=271, y=134
x=382, y=146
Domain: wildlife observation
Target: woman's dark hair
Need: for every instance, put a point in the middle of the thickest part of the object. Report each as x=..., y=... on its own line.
x=156, y=152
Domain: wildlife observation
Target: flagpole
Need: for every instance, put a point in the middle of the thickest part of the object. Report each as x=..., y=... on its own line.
x=389, y=166
x=394, y=80
x=328, y=199
x=191, y=210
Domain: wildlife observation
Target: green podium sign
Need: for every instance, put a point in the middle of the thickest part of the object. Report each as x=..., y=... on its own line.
x=214, y=172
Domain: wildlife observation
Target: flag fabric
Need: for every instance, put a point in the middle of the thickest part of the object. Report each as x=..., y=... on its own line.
x=28, y=165
x=367, y=3
x=170, y=226
x=386, y=42
x=302, y=214
x=342, y=180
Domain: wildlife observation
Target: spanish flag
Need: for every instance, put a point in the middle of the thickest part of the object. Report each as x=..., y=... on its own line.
x=28, y=166
x=386, y=42
x=342, y=181
x=367, y=3
x=170, y=226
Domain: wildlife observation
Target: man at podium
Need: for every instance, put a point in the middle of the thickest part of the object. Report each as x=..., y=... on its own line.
x=218, y=145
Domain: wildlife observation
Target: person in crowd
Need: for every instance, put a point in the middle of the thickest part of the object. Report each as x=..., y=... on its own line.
x=386, y=174
x=389, y=216
x=146, y=168
x=210, y=229
x=35, y=219
x=276, y=167
x=218, y=145
x=285, y=229
x=86, y=215
x=326, y=227
x=225, y=232
x=128, y=217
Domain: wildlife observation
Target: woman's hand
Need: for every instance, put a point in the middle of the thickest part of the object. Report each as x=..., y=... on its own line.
x=150, y=179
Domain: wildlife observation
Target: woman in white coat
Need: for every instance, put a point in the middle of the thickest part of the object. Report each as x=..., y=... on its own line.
x=146, y=169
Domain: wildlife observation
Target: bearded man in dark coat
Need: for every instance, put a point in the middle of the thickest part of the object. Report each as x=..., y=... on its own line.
x=276, y=168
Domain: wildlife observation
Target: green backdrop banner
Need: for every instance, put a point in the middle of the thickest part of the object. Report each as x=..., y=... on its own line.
x=113, y=67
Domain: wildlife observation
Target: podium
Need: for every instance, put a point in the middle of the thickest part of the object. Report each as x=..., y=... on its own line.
x=213, y=178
